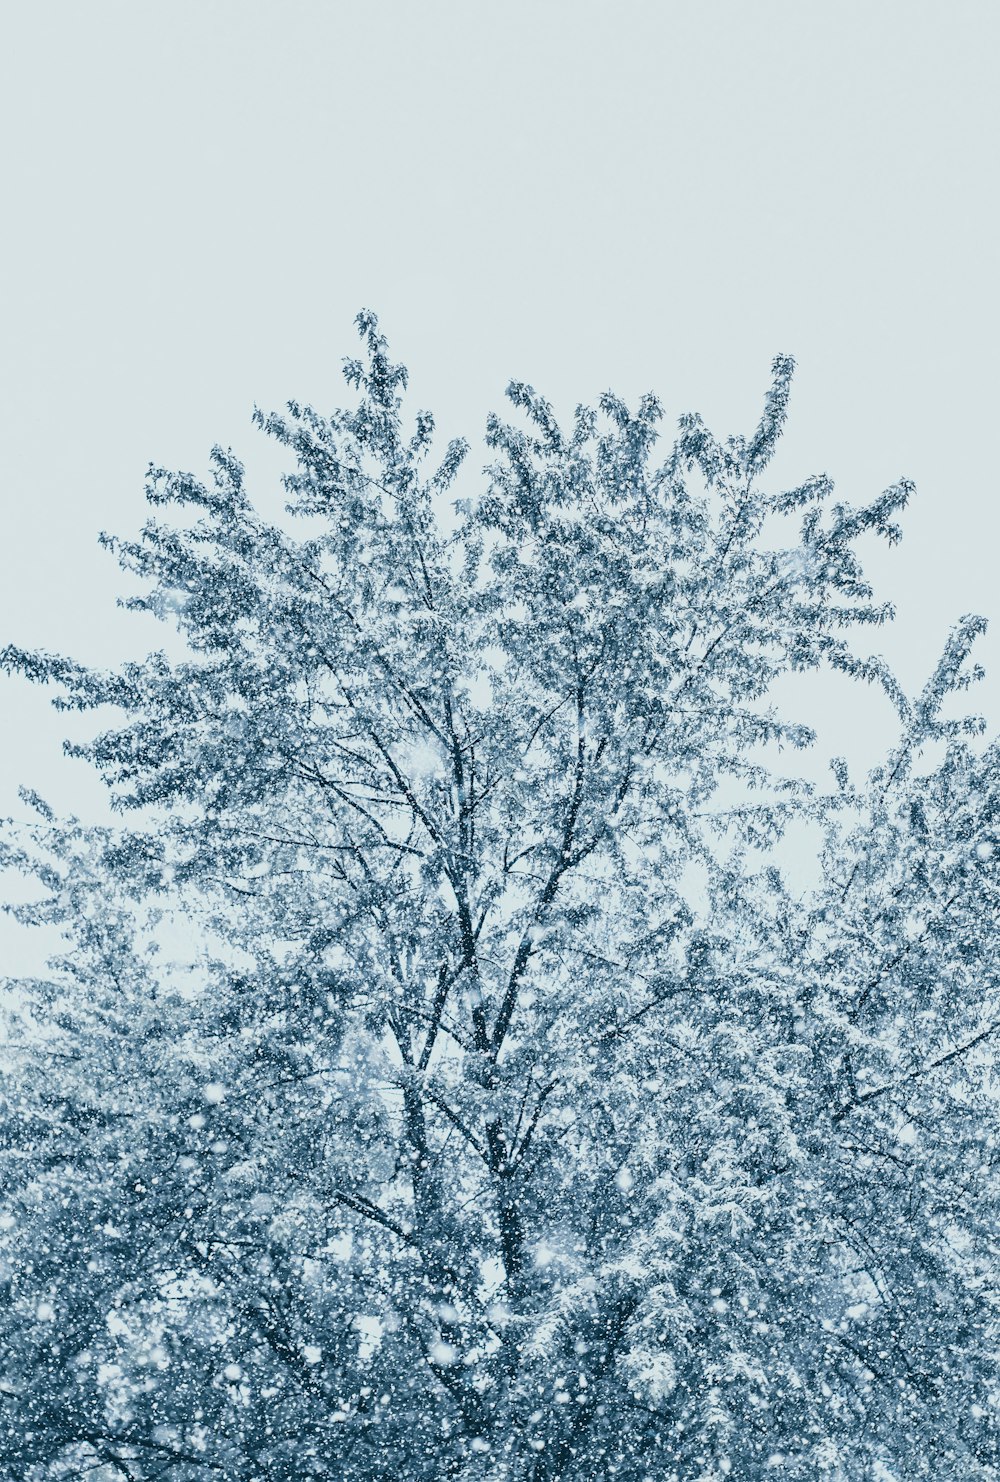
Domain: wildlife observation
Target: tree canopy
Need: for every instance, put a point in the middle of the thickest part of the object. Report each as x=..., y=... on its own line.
x=441, y=1076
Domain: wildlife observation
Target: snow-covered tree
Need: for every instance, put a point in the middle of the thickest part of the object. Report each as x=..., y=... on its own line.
x=441, y=1076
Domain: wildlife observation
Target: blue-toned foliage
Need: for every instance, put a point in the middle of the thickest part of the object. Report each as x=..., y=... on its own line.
x=441, y=1077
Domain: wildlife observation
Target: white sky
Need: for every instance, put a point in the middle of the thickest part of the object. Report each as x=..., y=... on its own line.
x=200, y=195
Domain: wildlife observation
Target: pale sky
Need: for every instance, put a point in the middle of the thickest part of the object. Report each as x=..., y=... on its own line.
x=200, y=195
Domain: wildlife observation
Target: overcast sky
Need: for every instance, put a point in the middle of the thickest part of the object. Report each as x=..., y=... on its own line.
x=200, y=196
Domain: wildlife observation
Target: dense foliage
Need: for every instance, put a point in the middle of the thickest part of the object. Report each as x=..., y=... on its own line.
x=441, y=1076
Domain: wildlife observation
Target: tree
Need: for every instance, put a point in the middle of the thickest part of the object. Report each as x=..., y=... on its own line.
x=442, y=1077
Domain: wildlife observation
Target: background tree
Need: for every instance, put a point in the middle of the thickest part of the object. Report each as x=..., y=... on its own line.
x=441, y=1078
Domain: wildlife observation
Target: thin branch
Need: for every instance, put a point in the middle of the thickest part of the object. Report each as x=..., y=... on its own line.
x=921, y=1070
